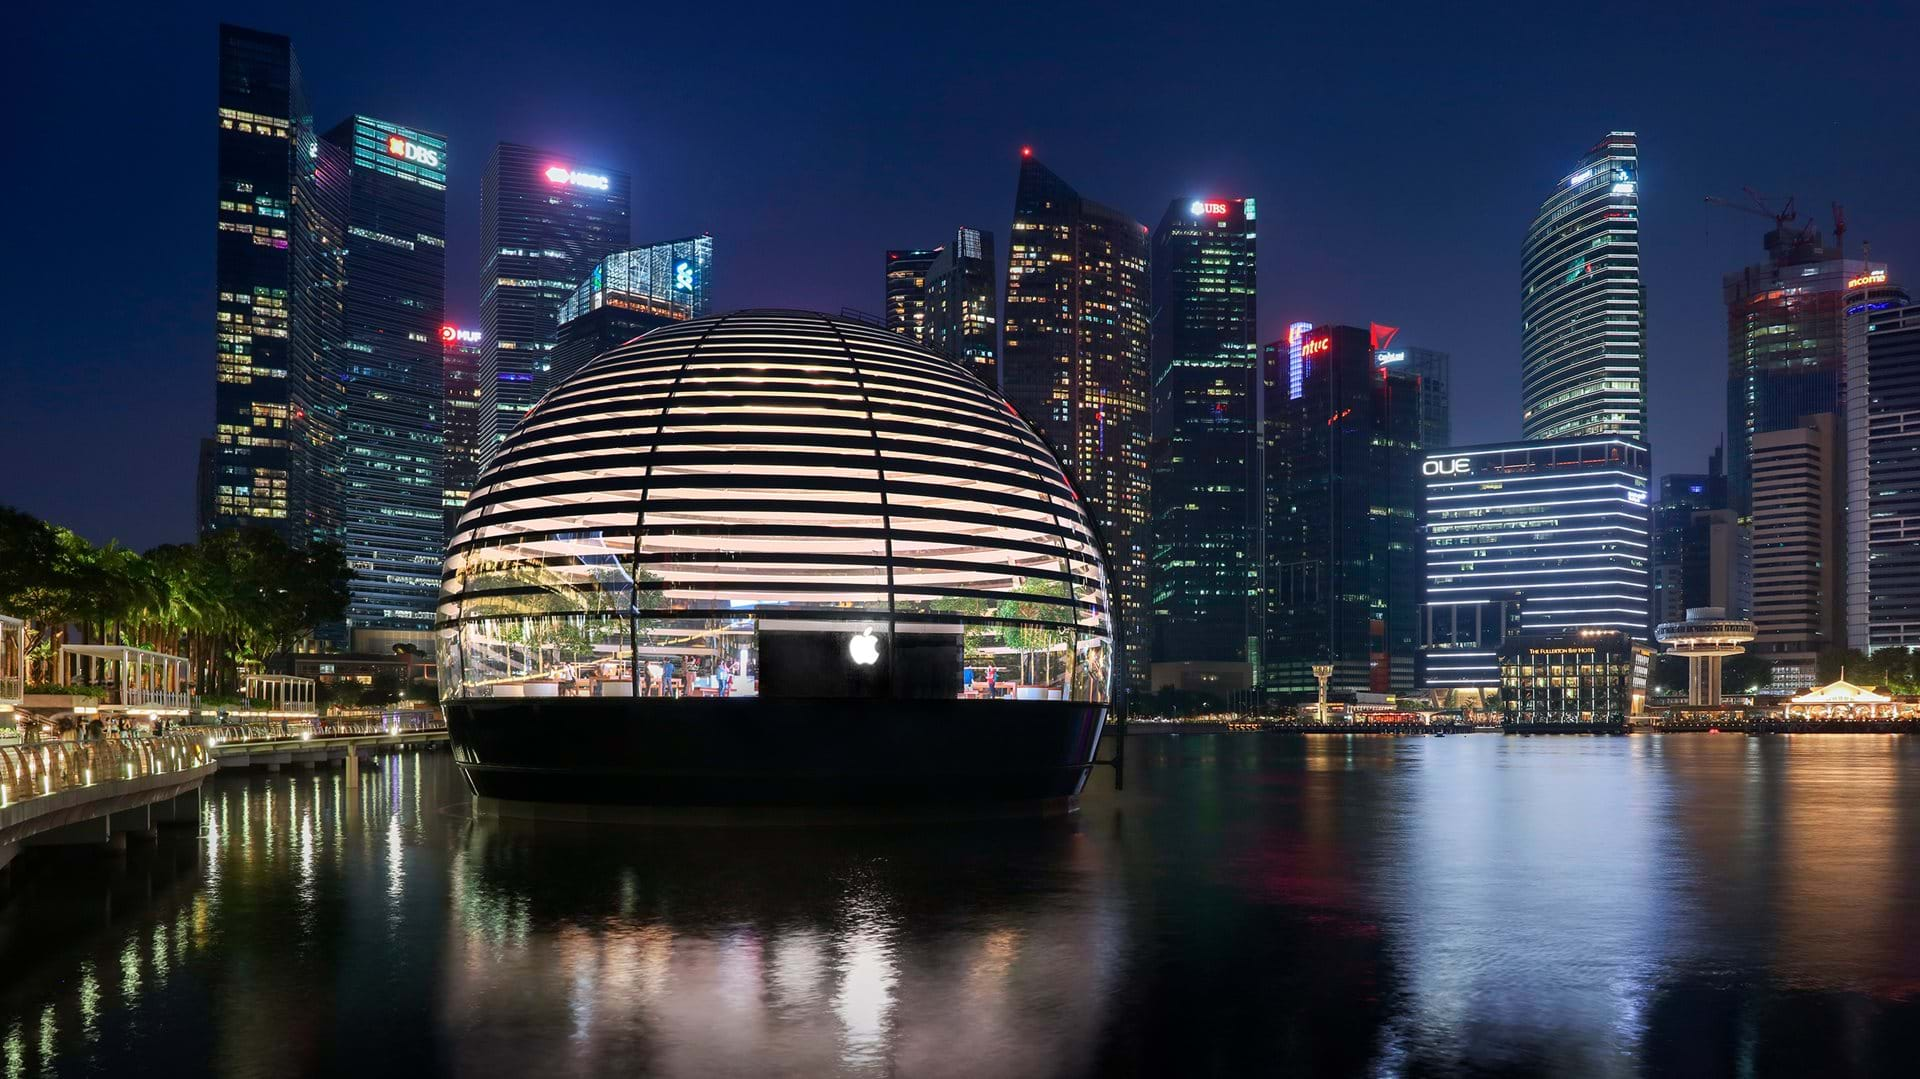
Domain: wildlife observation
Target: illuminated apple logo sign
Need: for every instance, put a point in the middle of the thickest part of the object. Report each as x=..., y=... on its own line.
x=864, y=647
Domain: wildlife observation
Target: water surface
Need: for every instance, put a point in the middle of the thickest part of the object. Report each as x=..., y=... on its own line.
x=1250, y=904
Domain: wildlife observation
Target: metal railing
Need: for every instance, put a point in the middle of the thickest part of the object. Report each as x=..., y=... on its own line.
x=231, y=734
x=43, y=768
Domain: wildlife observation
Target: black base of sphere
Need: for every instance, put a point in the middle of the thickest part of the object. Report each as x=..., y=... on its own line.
x=756, y=751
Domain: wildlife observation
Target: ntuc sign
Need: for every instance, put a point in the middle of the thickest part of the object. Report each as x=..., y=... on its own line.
x=1452, y=466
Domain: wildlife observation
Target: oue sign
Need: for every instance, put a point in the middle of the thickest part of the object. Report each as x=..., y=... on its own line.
x=1457, y=466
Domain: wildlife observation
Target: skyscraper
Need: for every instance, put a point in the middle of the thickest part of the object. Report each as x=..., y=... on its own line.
x=393, y=307
x=1206, y=483
x=1693, y=543
x=906, y=283
x=1872, y=300
x=1786, y=343
x=1797, y=528
x=628, y=293
x=460, y=448
x=1432, y=369
x=1075, y=363
x=1891, y=446
x=1582, y=307
x=1557, y=526
x=545, y=219
x=961, y=301
x=264, y=122
x=1341, y=545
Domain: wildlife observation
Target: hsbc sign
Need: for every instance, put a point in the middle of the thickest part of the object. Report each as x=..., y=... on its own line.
x=1455, y=466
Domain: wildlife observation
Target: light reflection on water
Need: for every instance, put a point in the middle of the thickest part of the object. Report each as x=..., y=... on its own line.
x=1251, y=905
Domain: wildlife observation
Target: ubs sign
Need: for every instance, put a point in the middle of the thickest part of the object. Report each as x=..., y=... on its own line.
x=1452, y=466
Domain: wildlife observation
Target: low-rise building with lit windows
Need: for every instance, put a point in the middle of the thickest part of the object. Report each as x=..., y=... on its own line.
x=1590, y=679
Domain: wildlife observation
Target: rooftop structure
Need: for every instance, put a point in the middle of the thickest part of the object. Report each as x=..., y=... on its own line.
x=1706, y=637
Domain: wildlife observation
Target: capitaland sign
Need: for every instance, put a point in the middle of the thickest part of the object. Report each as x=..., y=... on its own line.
x=409, y=150
x=576, y=178
x=1452, y=466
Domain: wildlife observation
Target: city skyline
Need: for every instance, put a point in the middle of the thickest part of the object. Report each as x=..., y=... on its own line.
x=1361, y=241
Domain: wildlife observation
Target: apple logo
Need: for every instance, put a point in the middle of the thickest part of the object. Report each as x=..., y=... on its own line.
x=864, y=647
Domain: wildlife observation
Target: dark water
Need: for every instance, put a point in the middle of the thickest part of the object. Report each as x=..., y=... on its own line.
x=1251, y=905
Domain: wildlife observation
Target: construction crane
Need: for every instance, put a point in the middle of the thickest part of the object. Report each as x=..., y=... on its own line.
x=1779, y=241
x=1759, y=206
x=1840, y=229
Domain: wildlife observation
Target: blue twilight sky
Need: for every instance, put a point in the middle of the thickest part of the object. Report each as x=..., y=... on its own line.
x=1398, y=153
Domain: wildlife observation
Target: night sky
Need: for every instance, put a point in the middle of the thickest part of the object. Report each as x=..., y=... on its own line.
x=1398, y=154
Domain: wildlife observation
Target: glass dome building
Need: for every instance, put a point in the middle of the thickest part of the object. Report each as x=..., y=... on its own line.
x=774, y=557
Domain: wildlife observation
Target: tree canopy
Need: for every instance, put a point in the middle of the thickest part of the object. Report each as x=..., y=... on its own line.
x=232, y=596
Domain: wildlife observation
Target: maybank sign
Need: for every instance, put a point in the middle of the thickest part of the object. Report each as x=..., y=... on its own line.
x=1449, y=466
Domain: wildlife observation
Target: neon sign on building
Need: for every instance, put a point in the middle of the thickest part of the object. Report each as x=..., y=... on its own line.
x=1872, y=277
x=409, y=150
x=560, y=175
x=1206, y=208
x=1296, y=359
x=456, y=335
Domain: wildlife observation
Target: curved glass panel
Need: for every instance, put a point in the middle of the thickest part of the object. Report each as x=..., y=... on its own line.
x=774, y=504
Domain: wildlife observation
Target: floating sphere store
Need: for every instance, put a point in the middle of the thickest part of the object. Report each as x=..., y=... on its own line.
x=772, y=558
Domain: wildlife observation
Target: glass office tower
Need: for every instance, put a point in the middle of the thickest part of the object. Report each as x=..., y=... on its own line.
x=1341, y=542
x=1075, y=363
x=961, y=300
x=1891, y=446
x=460, y=422
x=1582, y=307
x=393, y=393
x=1786, y=343
x=1559, y=527
x=545, y=220
x=906, y=291
x=245, y=468
x=1205, y=461
x=629, y=293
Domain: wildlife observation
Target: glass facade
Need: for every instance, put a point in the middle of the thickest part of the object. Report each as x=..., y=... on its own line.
x=779, y=505
x=1583, y=367
x=1786, y=345
x=1206, y=482
x=906, y=297
x=545, y=220
x=1892, y=507
x=392, y=470
x=1559, y=527
x=1342, y=464
x=1075, y=360
x=1871, y=304
x=1590, y=677
x=262, y=115
x=627, y=294
x=961, y=301
x=460, y=448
